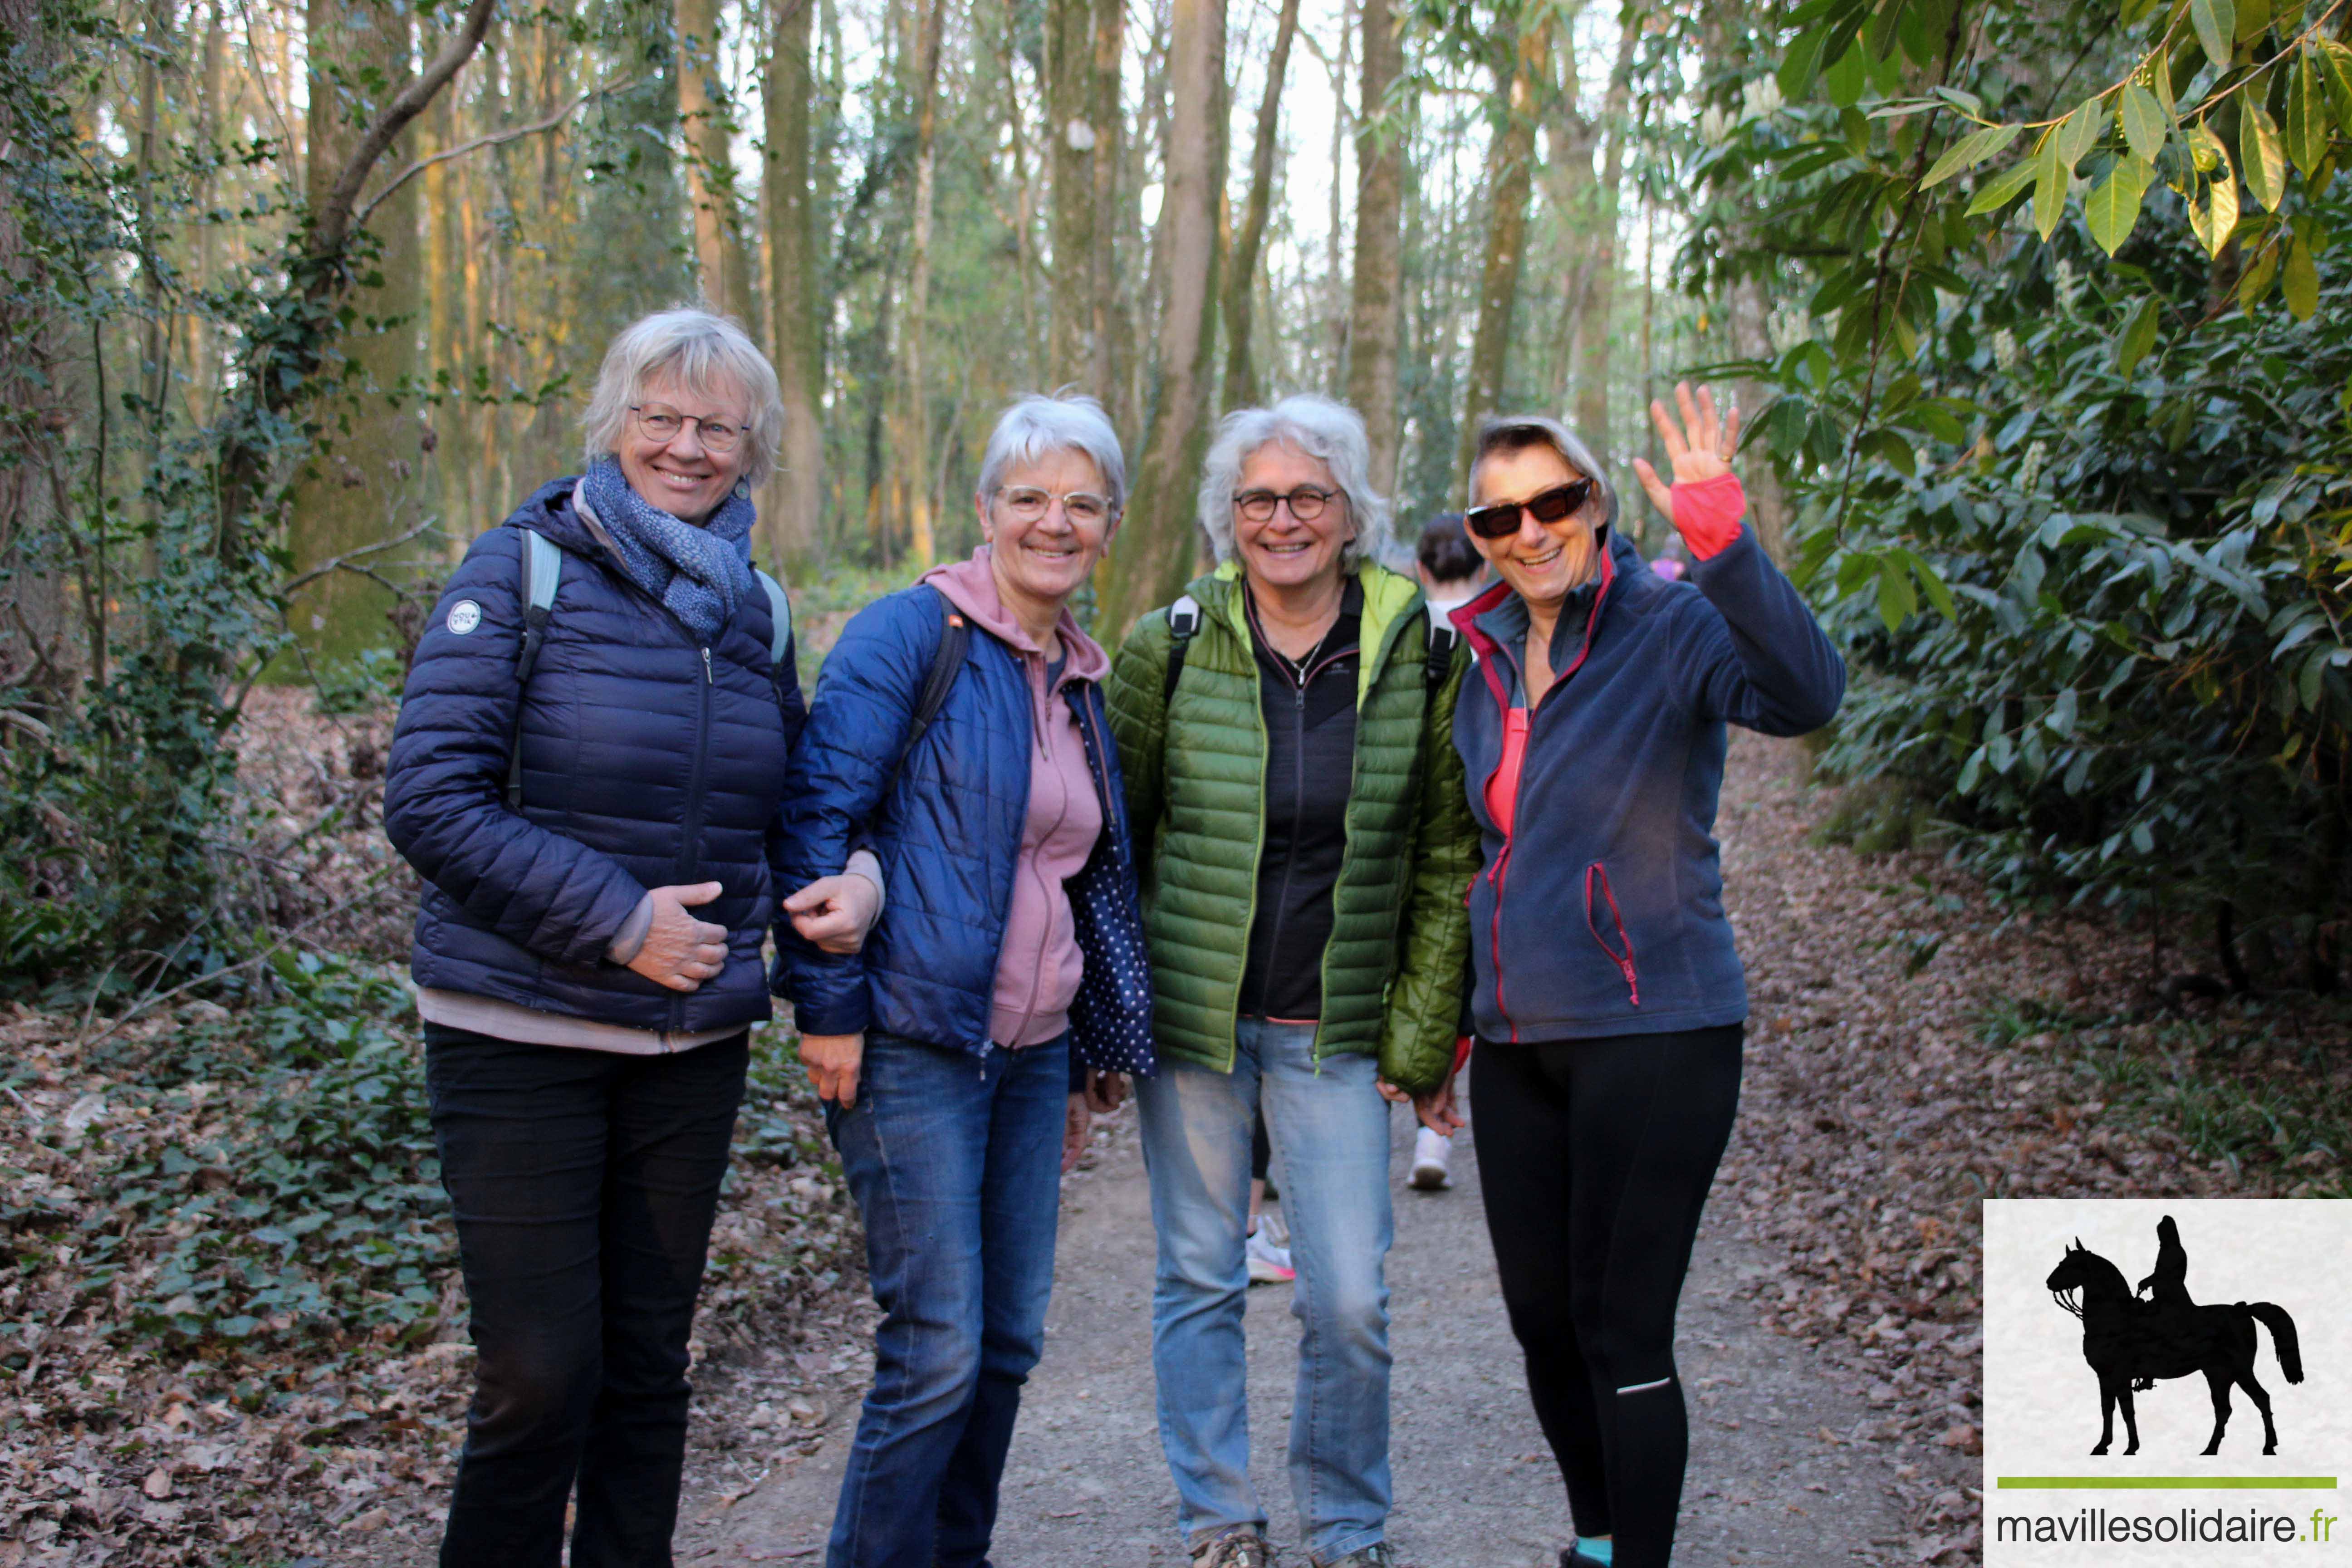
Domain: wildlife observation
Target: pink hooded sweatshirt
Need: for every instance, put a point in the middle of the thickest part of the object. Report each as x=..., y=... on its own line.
x=1038, y=967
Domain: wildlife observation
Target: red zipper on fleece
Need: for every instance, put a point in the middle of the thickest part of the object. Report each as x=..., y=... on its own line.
x=1623, y=960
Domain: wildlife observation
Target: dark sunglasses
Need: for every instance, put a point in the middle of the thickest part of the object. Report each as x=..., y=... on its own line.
x=1549, y=505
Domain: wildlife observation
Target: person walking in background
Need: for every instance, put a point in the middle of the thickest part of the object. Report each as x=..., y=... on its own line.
x=959, y=727
x=1608, y=998
x=1452, y=571
x=586, y=776
x=1284, y=731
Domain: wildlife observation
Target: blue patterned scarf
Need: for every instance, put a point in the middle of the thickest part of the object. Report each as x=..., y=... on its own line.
x=698, y=574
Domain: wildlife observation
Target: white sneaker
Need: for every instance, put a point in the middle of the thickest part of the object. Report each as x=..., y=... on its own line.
x=1429, y=1151
x=1268, y=1264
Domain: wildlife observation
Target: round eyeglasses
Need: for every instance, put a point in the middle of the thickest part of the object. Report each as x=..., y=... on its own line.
x=1306, y=502
x=660, y=424
x=1028, y=503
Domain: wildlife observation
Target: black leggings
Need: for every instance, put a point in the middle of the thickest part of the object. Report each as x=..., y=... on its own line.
x=1597, y=1156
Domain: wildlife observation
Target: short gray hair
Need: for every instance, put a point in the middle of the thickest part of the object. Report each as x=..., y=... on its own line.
x=1515, y=432
x=702, y=348
x=1331, y=433
x=1069, y=421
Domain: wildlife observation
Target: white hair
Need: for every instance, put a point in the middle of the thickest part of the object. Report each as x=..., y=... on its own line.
x=707, y=353
x=1036, y=425
x=1331, y=433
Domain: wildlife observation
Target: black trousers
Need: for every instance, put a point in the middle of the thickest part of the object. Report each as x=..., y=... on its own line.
x=584, y=1184
x=1596, y=1157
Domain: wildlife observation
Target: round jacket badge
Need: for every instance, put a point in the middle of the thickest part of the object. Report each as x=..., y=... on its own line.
x=463, y=616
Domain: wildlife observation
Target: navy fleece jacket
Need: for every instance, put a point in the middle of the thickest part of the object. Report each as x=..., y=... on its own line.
x=1602, y=912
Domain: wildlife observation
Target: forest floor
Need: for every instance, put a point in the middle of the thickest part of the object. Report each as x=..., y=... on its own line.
x=229, y=1331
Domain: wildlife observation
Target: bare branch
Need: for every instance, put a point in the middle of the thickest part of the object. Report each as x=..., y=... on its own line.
x=348, y=556
x=335, y=211
x=496, y=139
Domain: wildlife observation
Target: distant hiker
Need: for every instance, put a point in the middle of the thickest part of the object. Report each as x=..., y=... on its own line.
x=1609, y=1001
x=586, y=776
x=1284, y=731
x=959, y=728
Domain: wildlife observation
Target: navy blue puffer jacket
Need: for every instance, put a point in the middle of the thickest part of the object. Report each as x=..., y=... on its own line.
x=947, y=826
x=647, y=759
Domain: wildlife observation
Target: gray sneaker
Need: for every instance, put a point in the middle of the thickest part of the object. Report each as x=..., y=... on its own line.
x=1379, y=1555
x=1240, y=1547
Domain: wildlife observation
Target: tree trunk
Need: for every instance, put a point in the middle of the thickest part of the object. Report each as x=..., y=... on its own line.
x=916, y=464
x=794, y=504
x=1074, y=140
x=1596, y=309
x=1110, y=327
x=358, y=489
x=1240, y=275
x=1506, y=231
x=1154, y=552
x=1374, y=309
x=1335, y=314
x=708, y=118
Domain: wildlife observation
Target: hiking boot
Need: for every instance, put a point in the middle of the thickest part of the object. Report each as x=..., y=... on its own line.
x=1240, y=1547
x=1428, y=1151
x=1379, y=1555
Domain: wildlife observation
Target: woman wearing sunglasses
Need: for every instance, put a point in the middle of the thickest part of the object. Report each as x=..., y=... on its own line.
x=1609, y=1003
x=1284, y=728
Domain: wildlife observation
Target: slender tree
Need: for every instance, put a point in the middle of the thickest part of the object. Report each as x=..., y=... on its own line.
x=1074, y=140
x=1519, y=84
x=916, y=462
x=709, y=119
x=1240, y=275
x=1154, y=551
x=793, y=505
x=1374, y=315
x=1110, y=325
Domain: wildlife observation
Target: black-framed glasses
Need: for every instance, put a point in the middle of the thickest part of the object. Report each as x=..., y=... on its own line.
x=1544, y=505
x=1029, y=503
x=661, y=424
x=1306, y=502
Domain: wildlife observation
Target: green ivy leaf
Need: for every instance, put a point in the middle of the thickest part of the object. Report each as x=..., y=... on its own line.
x=2299, y=282
x=2050, y=173
x=2003, y=190
x=2112, y=205
x=2079, y=132
x=2216, y=22
x=2307, y=113
x=1969, y=151
x=2138, y=334
x=2259, y=154
x=2143, y=120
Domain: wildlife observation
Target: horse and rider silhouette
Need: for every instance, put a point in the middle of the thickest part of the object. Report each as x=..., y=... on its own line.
x=2130, y=1342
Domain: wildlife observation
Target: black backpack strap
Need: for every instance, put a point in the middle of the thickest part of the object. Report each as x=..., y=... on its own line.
x=1442, y=638
x=1183, y=625
x=947, y=662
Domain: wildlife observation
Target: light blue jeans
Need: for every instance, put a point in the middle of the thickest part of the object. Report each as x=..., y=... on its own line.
x=1330, y=1134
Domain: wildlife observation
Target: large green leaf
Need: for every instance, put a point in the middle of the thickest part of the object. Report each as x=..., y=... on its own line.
x=2335, y=70
x=2138, y=334
x=2079, y=132
x=1843, y=81
x=2050, y=173
x=1802, y=63
x=2143, y=120
x=2112, y=205
x=1969, y=151
x=2004, y=188
x=2216, y=22
x=2307, y=113
x=2256, y=280
x=2299, y=282
x=2260, y=156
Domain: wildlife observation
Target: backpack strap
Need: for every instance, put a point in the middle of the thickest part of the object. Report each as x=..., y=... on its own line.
x=1183, y=625
x=543, y=572
x=947, y=663
x=1442, y=638
x=780, y=617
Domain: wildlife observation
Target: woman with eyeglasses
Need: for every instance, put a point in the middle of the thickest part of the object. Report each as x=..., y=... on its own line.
x=958, y=727
x=1609, y=1003
x=586, y=776
x=1285, y=731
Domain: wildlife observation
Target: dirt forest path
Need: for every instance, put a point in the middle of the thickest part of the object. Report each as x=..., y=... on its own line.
x=1790, y=1465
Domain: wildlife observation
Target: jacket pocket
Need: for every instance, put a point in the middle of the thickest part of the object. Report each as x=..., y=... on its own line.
x=1596, y=880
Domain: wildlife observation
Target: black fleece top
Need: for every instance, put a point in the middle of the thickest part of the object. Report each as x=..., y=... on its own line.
x=1310, y=756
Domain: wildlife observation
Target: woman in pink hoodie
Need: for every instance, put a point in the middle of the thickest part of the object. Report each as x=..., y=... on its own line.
x=958, y=731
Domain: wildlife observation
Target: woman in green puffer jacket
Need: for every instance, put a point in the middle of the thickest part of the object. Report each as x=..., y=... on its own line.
x=1306, y=842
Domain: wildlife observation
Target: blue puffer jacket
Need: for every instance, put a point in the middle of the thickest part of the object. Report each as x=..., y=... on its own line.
x=648, y=760
x=1602, y=911
x=947, y=826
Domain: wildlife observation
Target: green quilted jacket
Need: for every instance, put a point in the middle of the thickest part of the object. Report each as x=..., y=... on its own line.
x=1195, y=773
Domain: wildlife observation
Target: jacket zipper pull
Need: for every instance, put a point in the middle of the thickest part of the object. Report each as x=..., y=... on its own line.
x=706, y=666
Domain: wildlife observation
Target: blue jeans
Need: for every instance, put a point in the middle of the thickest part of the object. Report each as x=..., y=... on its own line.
x=1330, y=1132
x=955, y=1160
